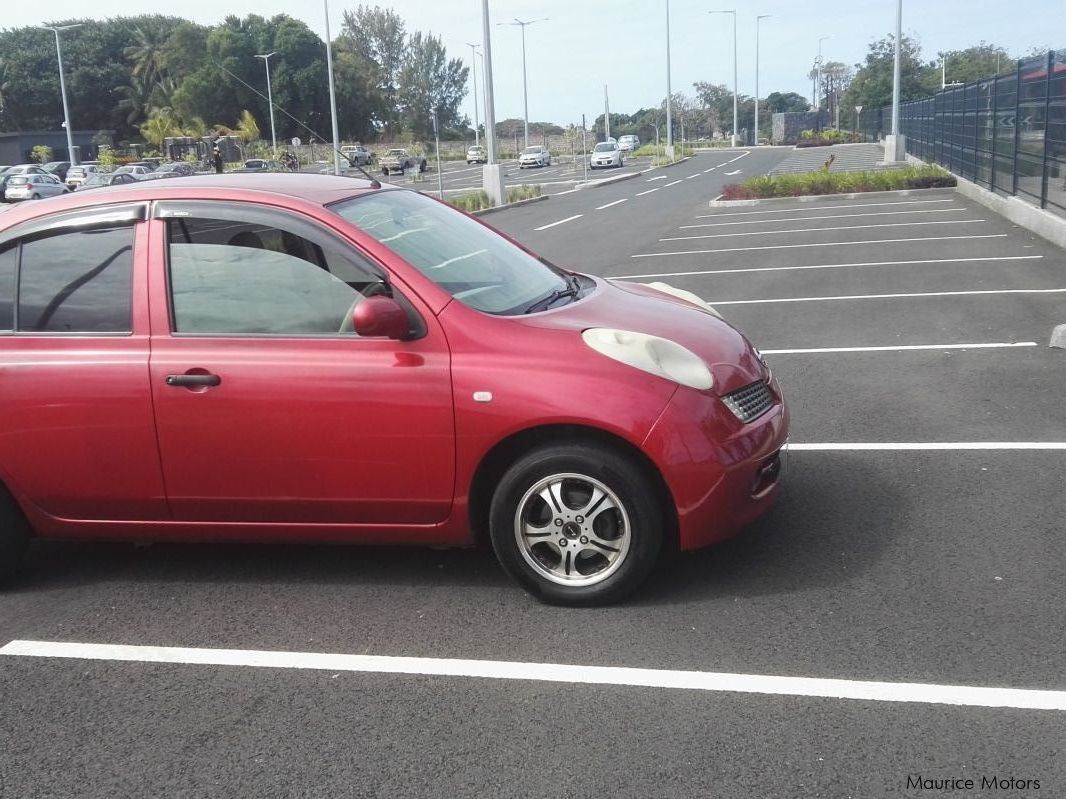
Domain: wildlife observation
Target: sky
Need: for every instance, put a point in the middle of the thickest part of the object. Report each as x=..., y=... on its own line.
x=586, y=44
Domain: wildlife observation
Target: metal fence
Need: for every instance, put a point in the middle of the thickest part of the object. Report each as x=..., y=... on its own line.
x=1007, y=134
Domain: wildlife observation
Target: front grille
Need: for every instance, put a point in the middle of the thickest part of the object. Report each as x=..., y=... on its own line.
x=750, y=402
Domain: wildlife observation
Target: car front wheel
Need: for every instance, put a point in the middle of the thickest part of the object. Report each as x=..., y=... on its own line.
x=14, y=535
x=576, y=524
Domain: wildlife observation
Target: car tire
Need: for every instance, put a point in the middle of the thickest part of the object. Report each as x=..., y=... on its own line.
x=594, y=561
x=14, y=535
x=35, y=196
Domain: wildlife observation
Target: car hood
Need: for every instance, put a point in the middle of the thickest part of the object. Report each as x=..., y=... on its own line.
x=606, y=154
x=644, y=309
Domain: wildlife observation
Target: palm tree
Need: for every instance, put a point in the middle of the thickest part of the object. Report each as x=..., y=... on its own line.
x=160, y=125
x=5, y=84
x=247, y=127
x=136, y=99
x=147, y=52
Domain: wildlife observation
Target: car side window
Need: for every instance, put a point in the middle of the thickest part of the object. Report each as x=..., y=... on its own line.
x=77, y=281
x=8, y=262
x=247, y=277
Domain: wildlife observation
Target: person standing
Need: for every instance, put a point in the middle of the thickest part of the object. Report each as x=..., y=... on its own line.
x=217, y=153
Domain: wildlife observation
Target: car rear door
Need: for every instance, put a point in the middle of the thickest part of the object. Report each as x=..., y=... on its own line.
x=269, y=409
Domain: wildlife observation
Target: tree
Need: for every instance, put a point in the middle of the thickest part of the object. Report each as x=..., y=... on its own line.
x=161, y=125
x=41, y=153
x=376, y=38
x=872, y=85
x=779, y=103
x=974, y=63
x=429, y=82
x=146, y=52
x=247, y=127
x=835, y=79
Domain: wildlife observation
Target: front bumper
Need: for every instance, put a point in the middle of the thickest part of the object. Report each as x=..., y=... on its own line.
x=721, y=473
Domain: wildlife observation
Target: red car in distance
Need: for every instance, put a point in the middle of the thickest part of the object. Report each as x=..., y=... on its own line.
x=314, y=358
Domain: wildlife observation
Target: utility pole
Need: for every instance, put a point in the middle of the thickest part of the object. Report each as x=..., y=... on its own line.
x=332, y=96
x=436, y=139
x=473, y=77
x=525, y=87
x=733, y=139
x=606, y=115
x=895, y=144
x=270, y=102
x=491, y=175
x=669, y=99
x=758, y=19
x=63, y=90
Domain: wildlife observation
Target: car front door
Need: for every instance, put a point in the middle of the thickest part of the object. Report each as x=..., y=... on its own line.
x=268, y=407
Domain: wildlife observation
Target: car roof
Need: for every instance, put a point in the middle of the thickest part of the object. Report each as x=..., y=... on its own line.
x=257, y=187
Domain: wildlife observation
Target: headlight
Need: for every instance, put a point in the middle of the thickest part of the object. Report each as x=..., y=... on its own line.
x=658, y=356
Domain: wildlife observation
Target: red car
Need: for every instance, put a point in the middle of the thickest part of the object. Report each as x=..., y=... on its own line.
x=313, y=358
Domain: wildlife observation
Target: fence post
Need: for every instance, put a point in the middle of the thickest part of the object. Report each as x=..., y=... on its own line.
x=1047, y=110
x=1017, y=127
x=995, y=130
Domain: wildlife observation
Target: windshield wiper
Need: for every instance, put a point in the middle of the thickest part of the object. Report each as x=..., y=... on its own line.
x=573, y=288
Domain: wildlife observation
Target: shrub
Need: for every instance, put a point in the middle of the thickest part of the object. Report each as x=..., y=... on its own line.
x=926, y=176
x=41, y=153
x=474, y=201
x=523, y=192
x=825, y=138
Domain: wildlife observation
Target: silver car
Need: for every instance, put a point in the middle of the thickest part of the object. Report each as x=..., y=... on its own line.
x=535, y=155
x=131, y=169
x=605, y=154
x=33, y=186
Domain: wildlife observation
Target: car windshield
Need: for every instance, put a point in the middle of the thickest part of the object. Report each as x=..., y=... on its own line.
x=532, y=151
x=96, y=179
x=475, y=265
x=604, y=147
x=394, y=152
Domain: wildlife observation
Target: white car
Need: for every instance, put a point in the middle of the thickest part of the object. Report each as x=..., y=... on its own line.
x=628, y=144
x=76, y=174
x=137, y=171
x=605, y=154
x=536, y=155
x=477, y=155
x=33, y=186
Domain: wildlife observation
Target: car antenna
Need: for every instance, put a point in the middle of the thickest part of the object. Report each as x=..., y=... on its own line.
x=374, y=183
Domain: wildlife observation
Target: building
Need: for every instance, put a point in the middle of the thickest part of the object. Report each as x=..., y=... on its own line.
x=15, y=148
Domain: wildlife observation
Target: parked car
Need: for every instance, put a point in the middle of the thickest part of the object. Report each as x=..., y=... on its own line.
x=628, y=144
x=535, y=155
x=477, y=155
x=139, y=171
x=76, y=175
x=99, y=180
x=260, y=165
x=399, y=160
x=33, y=186
x=57, y=168
x=24, y=169
x=316, y=359
x=357, y=155
x=605, y=154
x=176, y=169
x=151, y=163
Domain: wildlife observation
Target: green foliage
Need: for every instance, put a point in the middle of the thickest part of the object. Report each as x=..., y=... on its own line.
x=872, y=85
x=474, y=201
x=160, y=125
x=974, y=63
x=824, y=182
x=41, y=153
x=106, y=159
x=779, y=103
x=827, y=137
x=247, y=127
x=526, y=192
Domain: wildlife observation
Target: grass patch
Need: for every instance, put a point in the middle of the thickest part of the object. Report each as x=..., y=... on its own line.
x=822, y=182
x=474, y=201
x=526, y=192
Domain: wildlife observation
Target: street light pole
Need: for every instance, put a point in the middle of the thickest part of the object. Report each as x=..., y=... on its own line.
x=758, y=19
x=270, y=101
x=895, y=145
x=473, y=77
x=818, y=78
x=332, y=96
x=669, y=98
x=733, y=139
x=525, y=88
x=63, y=89
x=491, y=175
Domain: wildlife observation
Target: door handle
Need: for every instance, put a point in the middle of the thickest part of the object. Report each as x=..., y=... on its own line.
x=193, y=381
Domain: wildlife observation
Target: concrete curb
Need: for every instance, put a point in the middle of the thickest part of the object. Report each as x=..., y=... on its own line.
x=507, y=206
x=620, y=178
x=807, y=198
x=1036, y=220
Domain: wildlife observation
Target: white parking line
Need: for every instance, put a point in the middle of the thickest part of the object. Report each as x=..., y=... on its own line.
x=921, y=446
x=863, y=690
x=820, y=229
x=831, y=266
x=560, y=222
x=690, y=177
x=889, y=296
x=649, y=191
x=709, y=170
x=672, y=183
x=734, y=172
x=818, y=218
x=903, y=348
x=616, y=202
x=817, y=244
x=657, y=177
x=822, y=207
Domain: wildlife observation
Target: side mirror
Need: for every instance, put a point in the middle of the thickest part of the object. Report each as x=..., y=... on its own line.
x=381, y=316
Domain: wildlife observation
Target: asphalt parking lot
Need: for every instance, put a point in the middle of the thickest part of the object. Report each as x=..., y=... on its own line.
x=917, y=542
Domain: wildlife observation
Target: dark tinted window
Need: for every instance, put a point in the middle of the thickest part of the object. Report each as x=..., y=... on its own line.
x=77, y=282
x=8, y=259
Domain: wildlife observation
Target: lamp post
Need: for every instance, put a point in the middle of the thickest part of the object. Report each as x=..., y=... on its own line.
x=491, y=175
x=895, y=144
x=63, y=88
x=332, y=96
x=669, y=98
x=270, y=101
x=525, y=89
x=733, y=140
x=473, y=77
x=758, y=19
x=818, y=78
